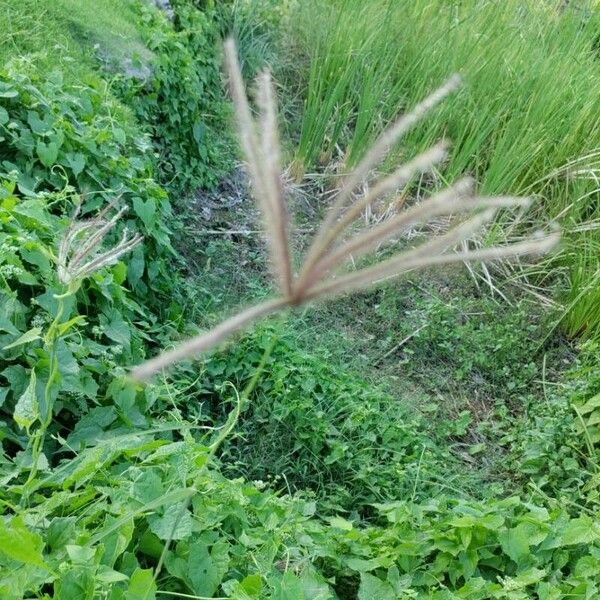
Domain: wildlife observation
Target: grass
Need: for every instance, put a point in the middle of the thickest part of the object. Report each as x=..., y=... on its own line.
x=63, y=33
x=419, y=440
x=322, y=273
x=528, y=109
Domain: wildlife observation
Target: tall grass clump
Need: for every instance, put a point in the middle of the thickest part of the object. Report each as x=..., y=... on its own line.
x=526, y=121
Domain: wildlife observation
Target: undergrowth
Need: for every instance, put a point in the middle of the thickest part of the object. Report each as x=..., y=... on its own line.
x=183, y=102
x=460, y=463
x=316, y=427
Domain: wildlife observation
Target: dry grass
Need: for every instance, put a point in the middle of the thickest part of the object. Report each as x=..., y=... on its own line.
x=321, y=273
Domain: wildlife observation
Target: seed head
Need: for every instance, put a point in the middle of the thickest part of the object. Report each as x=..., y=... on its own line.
x=78, y=253
x=319, y=275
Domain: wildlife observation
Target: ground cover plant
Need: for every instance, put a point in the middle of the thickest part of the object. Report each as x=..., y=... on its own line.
x=432, y=438
x=183, y=103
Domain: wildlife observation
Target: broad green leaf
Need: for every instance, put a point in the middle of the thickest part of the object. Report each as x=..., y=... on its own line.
x=145, y=211
x=583, y=530
x=60, y=532
x=27, y=184
x=340, y=523
x=373, y=588
x=251, y=585
x=75, y=584
x=135, y=266
x=16, y=584
x=47, y=153
x=524, y=579
x=148, y=486
x=29, y=336
x=48, y=301
x=198, y=130
x=141, y=585
x=590, y=405
x=175, y=523
x=76, y=161
x=587, y=566
x=314, y=586
x=361, y=564
x=119, y=135
x=39, y=126
x=106, y=575
x=207, y=569
x=248, y=589
x=67, y=365
x=116, y=594
x=18, y=543
x=3, y=116
x=37, y=254
x=123, y=392
x=6, y=324
x=170, y=499
x=515, y=543
x=27, y=409
x=18, y=377
x=119, y=272
x=3, y=393
x=7, y=90
x=33, y=209
x=289, y=587
x=80, y=554
x=150, y=545
x=115, y=328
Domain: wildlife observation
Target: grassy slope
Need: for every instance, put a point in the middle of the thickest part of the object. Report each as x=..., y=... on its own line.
x=370, y=326
x=63, y=33
x=374, y=323
x=447, y=352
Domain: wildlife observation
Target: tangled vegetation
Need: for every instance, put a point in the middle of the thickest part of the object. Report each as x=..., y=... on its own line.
x=437, y=437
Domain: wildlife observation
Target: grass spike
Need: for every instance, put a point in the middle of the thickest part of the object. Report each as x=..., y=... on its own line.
x=262, y=153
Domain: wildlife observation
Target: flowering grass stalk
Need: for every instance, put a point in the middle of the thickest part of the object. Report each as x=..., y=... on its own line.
x=320, y=276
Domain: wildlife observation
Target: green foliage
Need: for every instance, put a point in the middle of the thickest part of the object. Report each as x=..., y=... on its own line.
x=480, y=344
x=525, y=122
x=183, y=102
x=69, y=34
x=101, y=517
x=554, y=445
x=582, y=311
x=113, y=490
x=505, y=549
x=321, y=428
x=60, y=140
x=586, y=394
x=254, y=25
x=104, y=518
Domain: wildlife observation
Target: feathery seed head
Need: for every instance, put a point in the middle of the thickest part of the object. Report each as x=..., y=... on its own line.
x=78, y=255
x=320, y=274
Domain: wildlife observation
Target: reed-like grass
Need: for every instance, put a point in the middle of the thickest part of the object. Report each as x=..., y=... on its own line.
x=530, y=104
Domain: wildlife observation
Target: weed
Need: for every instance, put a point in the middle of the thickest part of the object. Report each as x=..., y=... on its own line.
x=328, y=253
x=312, y=426
x=114, y=490
x=183, y=103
